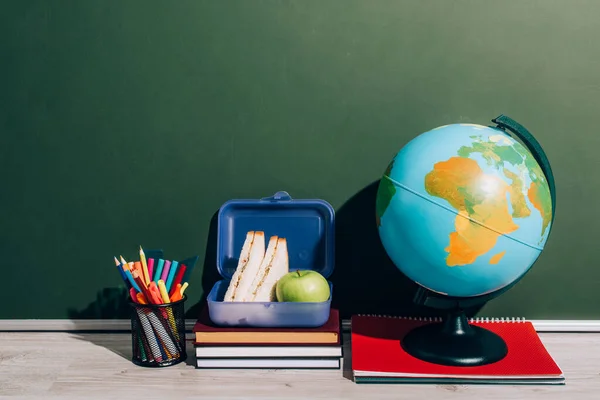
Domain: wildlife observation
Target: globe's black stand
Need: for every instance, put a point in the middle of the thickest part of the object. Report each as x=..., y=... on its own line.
x=453, y=341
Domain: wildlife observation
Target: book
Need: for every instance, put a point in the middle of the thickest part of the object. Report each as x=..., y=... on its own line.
x=378, y=357
x=267, y=351
x=281, y=363
x=206, y=332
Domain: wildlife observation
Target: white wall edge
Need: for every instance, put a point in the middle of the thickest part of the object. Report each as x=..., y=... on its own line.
x=45, y=325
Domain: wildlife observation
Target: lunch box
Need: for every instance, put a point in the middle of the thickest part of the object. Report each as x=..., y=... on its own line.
x=308, y=226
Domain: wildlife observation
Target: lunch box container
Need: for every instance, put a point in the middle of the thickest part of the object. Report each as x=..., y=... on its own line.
x=308, y=226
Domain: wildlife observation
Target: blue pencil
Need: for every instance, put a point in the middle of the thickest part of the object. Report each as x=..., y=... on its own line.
x=171, y=275
x=122, y=273
x=132, y=281
x=123, y=276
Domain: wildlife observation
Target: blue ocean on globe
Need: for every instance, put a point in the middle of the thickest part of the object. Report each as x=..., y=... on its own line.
x=464, y=210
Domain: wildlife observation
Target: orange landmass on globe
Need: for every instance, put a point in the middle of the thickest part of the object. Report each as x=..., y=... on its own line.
x=495, y=259
x=517, y=198
x=480, y=200
x=539, y=195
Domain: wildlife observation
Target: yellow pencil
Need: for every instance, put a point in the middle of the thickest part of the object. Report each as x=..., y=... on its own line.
x=144, y=266
x=163, y=291
x=183, y=287
x=123, y=260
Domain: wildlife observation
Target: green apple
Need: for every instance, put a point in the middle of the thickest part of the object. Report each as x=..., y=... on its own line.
x=302, y=286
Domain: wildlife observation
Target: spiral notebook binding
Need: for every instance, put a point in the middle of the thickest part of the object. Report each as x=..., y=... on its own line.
x=439, y=319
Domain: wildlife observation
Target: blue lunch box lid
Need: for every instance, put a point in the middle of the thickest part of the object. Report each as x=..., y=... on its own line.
x=307, y=224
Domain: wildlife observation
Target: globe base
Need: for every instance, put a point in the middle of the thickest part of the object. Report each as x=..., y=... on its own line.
x=455, y=342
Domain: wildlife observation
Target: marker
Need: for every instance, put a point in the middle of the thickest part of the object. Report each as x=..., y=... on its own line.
x=133, y=295
x=171, y=275
x=177, y=280
x=154, y=293
x=163, y=291
x=144, y=265
x=141, y=299
x=183, y=287
x=159, y=269
x=147, y=327
x=176, y=295
x=162, y=335
x=165, y=271
x=150, y=268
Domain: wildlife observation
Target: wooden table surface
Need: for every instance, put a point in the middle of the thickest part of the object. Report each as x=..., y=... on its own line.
x=97, y=366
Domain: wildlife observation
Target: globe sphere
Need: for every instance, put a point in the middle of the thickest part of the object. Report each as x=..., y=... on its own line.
x=464, y=210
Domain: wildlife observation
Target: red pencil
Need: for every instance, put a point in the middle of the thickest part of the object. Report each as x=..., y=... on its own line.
x=177, y=279
x=140, y=282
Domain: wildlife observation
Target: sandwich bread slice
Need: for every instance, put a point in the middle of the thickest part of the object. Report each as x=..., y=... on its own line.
x=275, y=264
x=251, y=257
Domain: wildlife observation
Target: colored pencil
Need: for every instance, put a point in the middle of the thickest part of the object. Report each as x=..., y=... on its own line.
x=131, y=280
x=144, y=265
x=138, y=280
x=122, y=273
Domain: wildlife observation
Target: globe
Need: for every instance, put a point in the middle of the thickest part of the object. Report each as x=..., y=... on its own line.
x=464, y=210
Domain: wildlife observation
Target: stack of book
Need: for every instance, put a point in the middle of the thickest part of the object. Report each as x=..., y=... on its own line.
x=272, y=348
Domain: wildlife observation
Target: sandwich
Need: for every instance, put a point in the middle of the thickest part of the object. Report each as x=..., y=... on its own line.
x=275, y=264
x=251, y=257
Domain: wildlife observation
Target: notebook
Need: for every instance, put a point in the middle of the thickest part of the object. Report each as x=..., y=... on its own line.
x=267, y=351
x=206, y=332
x=378, y=357
x=283, y=363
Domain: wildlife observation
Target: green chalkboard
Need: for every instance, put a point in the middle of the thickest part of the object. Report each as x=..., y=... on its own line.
x=130, y=123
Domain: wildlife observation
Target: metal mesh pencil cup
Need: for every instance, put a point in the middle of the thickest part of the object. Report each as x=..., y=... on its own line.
x=158, y=334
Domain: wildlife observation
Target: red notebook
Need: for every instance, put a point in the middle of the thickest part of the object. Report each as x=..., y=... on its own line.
x=378, y=357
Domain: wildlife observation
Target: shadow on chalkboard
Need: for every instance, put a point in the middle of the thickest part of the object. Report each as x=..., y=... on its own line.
x=210, y=274
x=110, y=303
x=365, y=279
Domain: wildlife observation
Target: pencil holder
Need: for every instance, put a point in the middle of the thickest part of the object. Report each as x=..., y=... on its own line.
x=158, y=334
